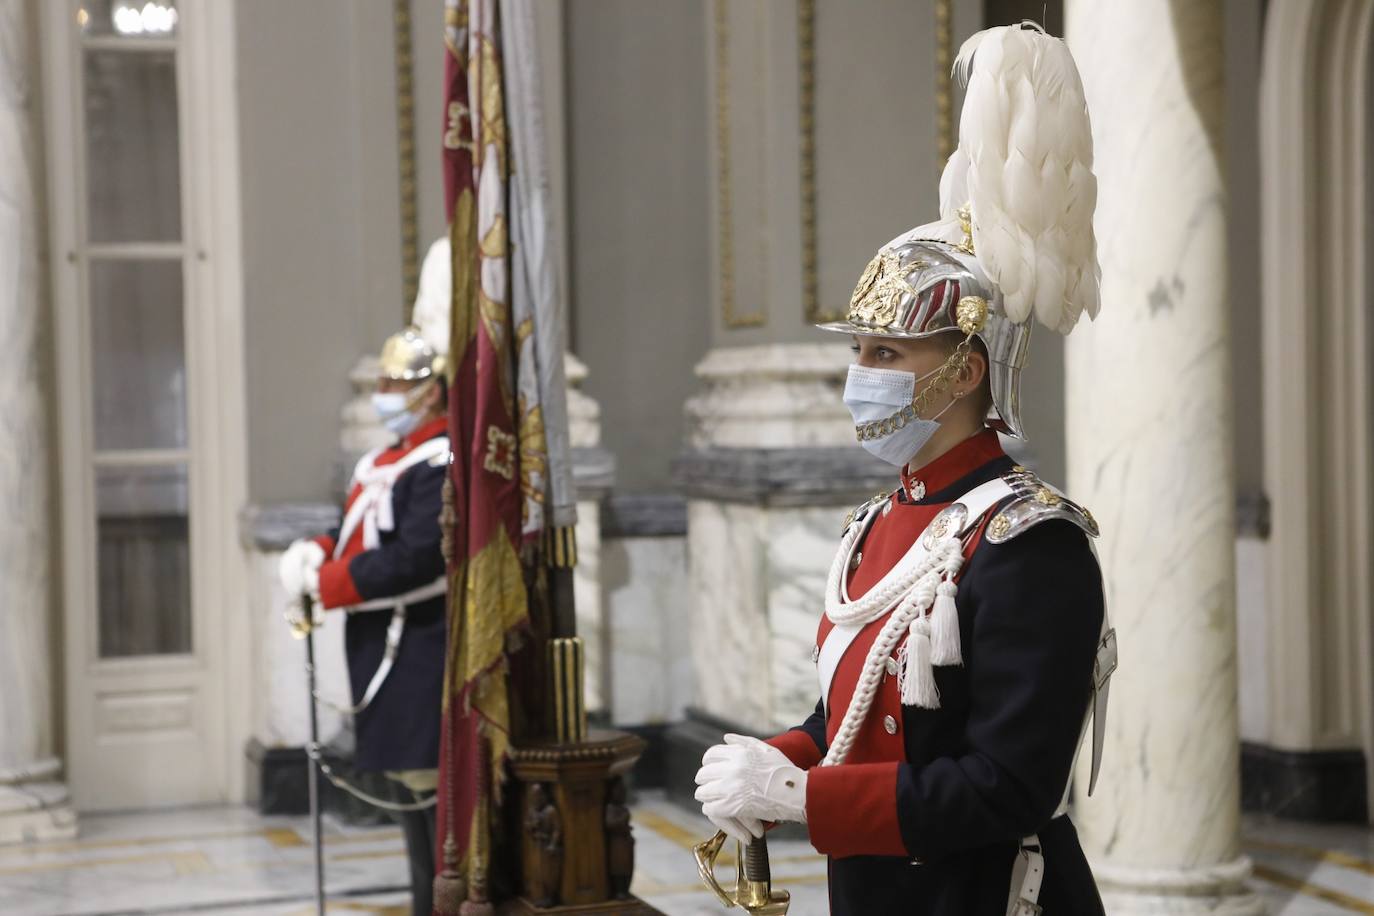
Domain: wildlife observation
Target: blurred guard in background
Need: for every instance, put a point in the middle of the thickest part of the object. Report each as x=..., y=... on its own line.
x=385, y=567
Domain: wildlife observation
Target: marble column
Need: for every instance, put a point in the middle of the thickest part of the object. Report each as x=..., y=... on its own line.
x=593, y=476
x=34, y=804
x=1149, y=451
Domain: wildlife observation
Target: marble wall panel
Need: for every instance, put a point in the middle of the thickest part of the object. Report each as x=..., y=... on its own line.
x=281, y=715
x=731, y=639
x=800, y=546
x=650, y=671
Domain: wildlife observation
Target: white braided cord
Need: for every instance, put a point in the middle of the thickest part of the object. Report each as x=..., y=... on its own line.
x=940, y=564
x=887, y=592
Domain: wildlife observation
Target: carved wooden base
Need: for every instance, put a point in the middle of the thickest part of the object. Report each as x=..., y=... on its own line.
x=569, y=808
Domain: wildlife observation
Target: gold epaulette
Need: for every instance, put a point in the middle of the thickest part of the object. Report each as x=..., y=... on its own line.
x=1033, y=501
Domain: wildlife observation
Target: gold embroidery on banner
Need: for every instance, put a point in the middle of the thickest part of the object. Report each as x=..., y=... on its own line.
x=453, y=133
x=534, y=462
x=493, y=601
x=500, y=452
x=493, y=124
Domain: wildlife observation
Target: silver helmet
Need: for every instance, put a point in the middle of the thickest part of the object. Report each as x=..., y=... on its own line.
x=915, y=288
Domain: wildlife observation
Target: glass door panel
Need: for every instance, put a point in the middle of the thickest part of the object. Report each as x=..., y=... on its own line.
x=138, y=355
x=133, y=166
x=143, y=560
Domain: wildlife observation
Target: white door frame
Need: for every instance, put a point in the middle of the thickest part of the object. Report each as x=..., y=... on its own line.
x=213, y=310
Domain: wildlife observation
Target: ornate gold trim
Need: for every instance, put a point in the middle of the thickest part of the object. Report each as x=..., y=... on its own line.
x=405, y=155
x=944, y=85
x=806, y=94
x=725, y=217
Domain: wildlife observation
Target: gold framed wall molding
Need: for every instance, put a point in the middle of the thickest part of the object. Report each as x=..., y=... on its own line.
x=944, y=85
x=806, y=95
x=725, y=216
x=944, y=136
x=405, y=155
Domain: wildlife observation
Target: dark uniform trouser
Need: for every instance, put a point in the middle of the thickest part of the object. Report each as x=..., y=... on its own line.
x=418, y=827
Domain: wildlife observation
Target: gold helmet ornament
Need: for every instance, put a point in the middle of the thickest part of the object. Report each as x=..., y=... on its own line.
x=1014, y=243
x=408, y=357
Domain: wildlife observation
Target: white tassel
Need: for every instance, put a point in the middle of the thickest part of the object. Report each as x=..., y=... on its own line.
x=944, y=627
x=918, y=674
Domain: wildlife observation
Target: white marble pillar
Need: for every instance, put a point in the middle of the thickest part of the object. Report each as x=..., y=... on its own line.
x=591, y=470
x=33, y=799
x=1149, y=450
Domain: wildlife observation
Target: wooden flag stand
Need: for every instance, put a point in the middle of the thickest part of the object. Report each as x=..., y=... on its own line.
x=566, y=795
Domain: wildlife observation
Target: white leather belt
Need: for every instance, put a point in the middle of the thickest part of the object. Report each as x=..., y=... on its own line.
x=394, y=631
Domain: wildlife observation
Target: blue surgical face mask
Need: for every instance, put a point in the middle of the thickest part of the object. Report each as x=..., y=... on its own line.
x=393, y=409
x=876, y=394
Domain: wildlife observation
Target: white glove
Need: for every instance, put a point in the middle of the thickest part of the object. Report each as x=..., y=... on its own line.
x=299, y=569
x=745, y=782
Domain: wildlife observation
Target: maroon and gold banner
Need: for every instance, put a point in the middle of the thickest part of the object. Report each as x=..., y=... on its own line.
x=488, y=601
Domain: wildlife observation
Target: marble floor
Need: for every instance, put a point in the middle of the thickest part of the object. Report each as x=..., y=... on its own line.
x=229, y=860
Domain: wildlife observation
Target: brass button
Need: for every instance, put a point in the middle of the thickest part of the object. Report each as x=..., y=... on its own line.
x=892, y=666
x=918, y=861
x=855, y=560
x=890, y=725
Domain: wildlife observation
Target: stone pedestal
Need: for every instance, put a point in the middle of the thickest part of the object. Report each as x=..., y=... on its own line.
x=34, y=804
x=769, y=475
x=280, y=701
x=1149, y=451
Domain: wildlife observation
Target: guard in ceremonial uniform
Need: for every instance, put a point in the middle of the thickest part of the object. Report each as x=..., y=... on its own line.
x=384, y=566
x=964, y=650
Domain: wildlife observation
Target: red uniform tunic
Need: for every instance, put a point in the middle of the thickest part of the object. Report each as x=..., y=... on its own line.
x=337, y=586
x=927, y=811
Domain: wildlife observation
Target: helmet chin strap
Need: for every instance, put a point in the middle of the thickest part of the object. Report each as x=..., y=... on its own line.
x=943, y=378
x=418, y=393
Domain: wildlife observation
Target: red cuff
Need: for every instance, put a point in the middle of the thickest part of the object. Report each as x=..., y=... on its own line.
x=327, y=543
x=798, y=747
x=336, y=585
x=851, y=810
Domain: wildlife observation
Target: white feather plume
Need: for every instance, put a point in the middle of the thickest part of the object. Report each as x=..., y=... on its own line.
x=1024, y=167
x=432, y=314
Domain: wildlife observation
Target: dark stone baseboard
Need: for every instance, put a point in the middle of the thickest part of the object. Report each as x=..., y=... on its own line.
x=830, y=476
x=278, y=784
x=643, y=515
x=1304, y=785
x=683, y=745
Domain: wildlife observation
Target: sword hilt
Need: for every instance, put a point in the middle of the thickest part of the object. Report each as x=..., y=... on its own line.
x=753, y=878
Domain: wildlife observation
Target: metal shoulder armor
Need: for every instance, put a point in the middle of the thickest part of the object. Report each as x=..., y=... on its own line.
x=1033, y=501
x=859, y=512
